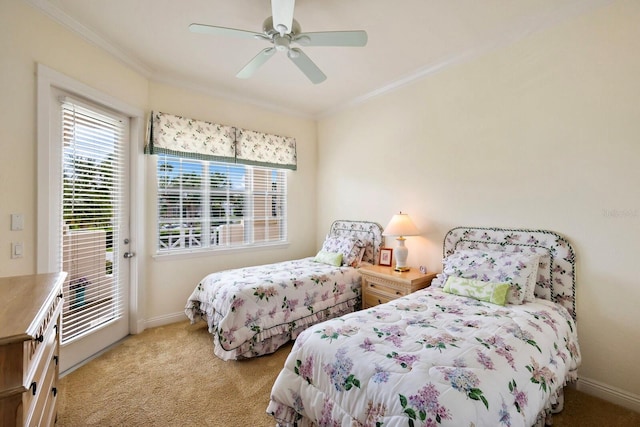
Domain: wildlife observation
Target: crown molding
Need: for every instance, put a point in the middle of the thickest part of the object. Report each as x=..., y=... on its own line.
x=228, y=95
x=87, y=34
x=506, y=37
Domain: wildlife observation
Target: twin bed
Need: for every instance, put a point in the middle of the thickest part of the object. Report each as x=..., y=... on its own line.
x=492, y=342
x=255, y=310
x=446, y=356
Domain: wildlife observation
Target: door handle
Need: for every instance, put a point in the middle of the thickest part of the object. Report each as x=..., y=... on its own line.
x=129, y=254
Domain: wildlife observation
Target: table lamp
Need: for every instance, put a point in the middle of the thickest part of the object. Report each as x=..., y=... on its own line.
x=401, y=225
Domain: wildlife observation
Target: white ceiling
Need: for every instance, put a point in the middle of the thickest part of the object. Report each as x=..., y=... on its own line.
x=408, y=39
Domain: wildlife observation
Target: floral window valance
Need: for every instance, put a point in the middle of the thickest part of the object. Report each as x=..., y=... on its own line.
x=184, y=137
x=257, y=148
x=197, y=139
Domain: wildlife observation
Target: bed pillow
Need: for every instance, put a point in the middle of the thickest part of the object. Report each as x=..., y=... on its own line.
x=331, y=258
x=349, y=247
x=529, y=293
x=515, y=268
x=358, y=261
x=492, y=292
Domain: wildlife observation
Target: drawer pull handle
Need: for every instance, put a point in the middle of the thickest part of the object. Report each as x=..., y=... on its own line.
x=398, y=293
x=379, y=302
x=60, y=295
x=34, y=387
x=40, y=338
x=55, y=359
x=54, y=390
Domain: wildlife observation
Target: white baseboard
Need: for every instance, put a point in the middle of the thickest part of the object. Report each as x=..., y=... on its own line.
x=609, y=393
x=165, y=320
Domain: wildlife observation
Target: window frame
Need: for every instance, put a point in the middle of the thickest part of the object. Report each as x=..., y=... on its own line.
x=206, y=192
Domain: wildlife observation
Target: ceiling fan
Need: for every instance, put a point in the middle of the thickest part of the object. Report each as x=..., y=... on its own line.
x=281, y=30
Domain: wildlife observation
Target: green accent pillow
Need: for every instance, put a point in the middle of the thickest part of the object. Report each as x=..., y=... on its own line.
x=495, y=293
x=331, y=258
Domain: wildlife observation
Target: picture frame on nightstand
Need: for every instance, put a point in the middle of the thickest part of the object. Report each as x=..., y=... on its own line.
x=386, y=254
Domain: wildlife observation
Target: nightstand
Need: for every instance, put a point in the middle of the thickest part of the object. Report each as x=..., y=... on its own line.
x=383, y=284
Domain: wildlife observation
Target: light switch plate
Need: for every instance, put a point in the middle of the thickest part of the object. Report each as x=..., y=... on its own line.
x=17, y=250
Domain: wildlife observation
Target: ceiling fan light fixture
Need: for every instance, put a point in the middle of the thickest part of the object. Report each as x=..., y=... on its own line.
x=282, y=43
x=293, y=54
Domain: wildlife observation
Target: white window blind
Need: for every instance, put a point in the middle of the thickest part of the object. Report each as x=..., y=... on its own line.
x=92, y=170
x=204, y=204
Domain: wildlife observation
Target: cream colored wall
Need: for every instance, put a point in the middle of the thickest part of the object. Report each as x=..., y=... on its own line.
x=542, y=134
x=27, y=37
x=171, y=281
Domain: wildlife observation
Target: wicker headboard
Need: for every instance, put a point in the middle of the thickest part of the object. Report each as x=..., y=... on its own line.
x=370, y=233
x=556, y=272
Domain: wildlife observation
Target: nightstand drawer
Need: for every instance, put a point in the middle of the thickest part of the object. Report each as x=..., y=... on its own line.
x=380, y=286
x=371, y=299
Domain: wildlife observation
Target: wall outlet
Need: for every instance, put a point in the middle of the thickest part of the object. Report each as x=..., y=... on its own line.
x=17, y=222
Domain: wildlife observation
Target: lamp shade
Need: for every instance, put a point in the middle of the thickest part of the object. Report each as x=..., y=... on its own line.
x=400, y=225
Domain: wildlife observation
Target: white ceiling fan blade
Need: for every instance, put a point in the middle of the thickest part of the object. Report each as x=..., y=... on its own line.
x=282, y=11
x=333, y=38
x=223, y=31
x=306, y=65
x=256, y=63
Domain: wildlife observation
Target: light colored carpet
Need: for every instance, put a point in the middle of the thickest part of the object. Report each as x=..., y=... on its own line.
x=168, y=376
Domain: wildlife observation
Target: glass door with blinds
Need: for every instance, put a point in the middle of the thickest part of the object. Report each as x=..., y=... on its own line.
x=94, y=229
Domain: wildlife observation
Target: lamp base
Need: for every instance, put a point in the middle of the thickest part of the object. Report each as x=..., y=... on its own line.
x=401, y=253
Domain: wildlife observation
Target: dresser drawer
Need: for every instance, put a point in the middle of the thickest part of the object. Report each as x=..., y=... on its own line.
x=50, y=407
x=36, y=404
x=35, y=398
x=46, y=333
x=41, y=357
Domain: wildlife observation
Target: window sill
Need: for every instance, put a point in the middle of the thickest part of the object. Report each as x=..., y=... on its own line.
x=197, y=253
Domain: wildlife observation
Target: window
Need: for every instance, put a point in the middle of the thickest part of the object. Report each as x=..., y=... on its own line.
x=209, y=205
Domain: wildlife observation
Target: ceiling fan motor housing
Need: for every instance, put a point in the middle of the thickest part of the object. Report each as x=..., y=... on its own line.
x=269, y=30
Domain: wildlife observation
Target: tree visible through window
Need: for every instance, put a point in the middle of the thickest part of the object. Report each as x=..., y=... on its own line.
x=205, y=204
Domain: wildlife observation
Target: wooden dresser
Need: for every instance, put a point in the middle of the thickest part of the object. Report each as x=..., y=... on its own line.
x=30, y=309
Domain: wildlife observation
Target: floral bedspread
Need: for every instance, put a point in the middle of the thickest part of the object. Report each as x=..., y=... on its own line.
x=248, y=307
x=429, y=359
